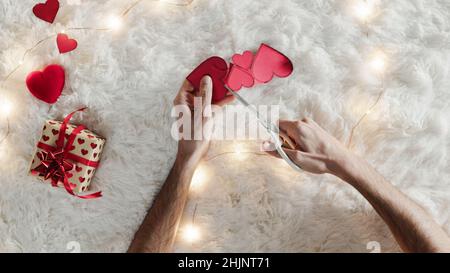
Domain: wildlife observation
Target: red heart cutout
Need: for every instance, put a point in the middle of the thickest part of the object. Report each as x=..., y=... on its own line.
x=55, y=132
x=269, y=62
x=47, y=11
x=78, y=169
x=95, y=155
x=80, y=141
x=45, y=138
x=244, y=60
x=81, y=179
x=65, y=44
x=93, y=145
x=84, y=152
x=47, y=85
x=72, y=148
x=217, y=69
x=238, y=78
x=69, y=175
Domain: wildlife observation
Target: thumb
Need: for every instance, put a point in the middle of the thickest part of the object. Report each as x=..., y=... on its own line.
x=295, y=155
x=206, y=88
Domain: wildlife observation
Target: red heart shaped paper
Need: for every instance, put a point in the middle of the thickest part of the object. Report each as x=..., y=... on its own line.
x=65, y=44
x=238, y=78
x=48, y=84
x=244, y=60
x=217, y=69
x=47, y=11
x=269, y=63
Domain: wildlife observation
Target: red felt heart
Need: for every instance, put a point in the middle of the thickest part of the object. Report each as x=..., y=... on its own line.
x=244, y=60
x=217, y=69
x=47, y=11
x=47, y=85
x=238, y=78
x=65, y=44
x=269, y=62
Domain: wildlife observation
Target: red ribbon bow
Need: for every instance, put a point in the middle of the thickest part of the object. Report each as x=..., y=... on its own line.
x=55, y=164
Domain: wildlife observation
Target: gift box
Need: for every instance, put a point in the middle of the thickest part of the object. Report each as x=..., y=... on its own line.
x=68, y=156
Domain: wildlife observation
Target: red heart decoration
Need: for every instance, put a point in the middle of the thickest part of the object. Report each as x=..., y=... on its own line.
x=84, y=152
x=65, y=44
x=89, y=171
x=244, y=60
x=80, y=141
x=78, y=169
x=47, y=11
x=238, y=78
x=269, y=62
x=55, y=132
x=81, y=179
x=95, y=155
x=217, y=69
x=69, y=175
x=45, y=138
x=47, y=85
x=93, y=145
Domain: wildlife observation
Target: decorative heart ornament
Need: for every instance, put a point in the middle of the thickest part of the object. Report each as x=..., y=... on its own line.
x=245, y=60
x=217, y=69
x=47, y=11
x=270, y=62
x=48, y=84
x=238, y=78
x=65, y=44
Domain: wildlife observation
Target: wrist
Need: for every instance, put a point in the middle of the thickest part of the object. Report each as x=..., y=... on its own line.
x=347, y=166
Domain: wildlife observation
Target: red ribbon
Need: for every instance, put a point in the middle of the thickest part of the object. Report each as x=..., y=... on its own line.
x=55, y=162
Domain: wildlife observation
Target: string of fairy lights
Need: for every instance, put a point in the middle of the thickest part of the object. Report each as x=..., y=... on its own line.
x=364, y=10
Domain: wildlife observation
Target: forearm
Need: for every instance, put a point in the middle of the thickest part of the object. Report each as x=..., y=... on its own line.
x=158, y=230
x=413, y=228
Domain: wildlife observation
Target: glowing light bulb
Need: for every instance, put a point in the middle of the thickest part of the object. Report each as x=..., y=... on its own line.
x=191, y=233
x=378, y=62
x=239, y=152
x=114, y=22
x=363, y=10
x=5, y=107
x=199, y=178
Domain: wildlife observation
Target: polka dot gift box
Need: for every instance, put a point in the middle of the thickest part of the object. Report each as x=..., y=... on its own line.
x=67, y=156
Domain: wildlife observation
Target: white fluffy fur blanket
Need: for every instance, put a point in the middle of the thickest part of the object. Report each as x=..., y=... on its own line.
x=128, y=80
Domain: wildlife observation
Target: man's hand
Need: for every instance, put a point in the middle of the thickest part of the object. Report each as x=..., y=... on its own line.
x=316, y=151
x=197, y=143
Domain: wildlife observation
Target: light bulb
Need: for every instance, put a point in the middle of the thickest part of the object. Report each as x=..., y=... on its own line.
x=5, y=107
x=114, y=22
x=363, y=10
x=191, y=233
x=378, y=62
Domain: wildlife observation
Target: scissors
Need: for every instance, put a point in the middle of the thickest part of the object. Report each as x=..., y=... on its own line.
x=272, y=129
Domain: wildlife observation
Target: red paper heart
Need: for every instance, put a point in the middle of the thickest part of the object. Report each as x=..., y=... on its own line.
x=238, y=78
x=269, y=62
x=65, y=44
x=217, y=69
x=47, y=85
x=244, y=60
x=47, y=11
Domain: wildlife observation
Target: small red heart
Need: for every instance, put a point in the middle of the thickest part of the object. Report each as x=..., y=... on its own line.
x=81, y=179
x=69, y=175
x=73, y=186
x=78, y=169
x=45, y=138
x=47, y=11
x=72, y=148
x=80, y=141
x=93, y=145
x=217, y=69
x=84, y=152
x=238, y=78
x=55, y=132
x=48, y=84
x=65, y=44
x=89, y=171
x=270, y=62
x=244, y=60
x=95, y=155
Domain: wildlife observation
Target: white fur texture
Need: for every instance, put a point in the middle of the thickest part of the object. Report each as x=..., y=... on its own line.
x=128, y=80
